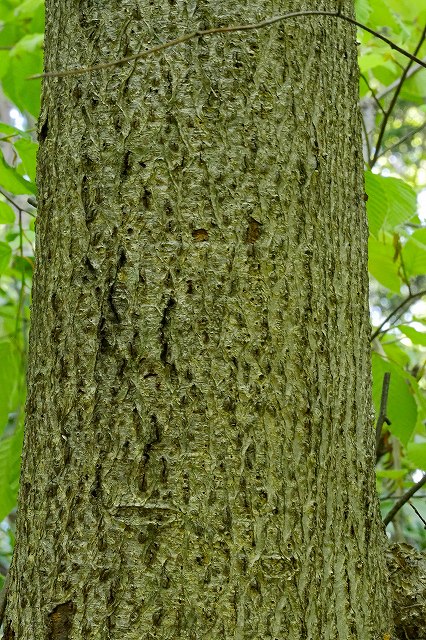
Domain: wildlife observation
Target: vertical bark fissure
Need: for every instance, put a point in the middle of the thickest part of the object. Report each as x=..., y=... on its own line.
x=199, y=454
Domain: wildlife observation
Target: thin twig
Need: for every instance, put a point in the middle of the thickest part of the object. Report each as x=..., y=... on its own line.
x=403, y=500
x=20, y=307
x=382, y=417
x=9, y=199
x=414, y=69
x=417, y=513
x=393, y=101
x=367, y=149
x=408, y=299
x=406, y=279
x=422, y=496
x=396, y=144
x=373, y=94
x=209, y=32
x=14, y=203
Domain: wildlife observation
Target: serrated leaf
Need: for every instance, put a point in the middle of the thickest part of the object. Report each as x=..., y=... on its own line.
x=402, y=203
x=401, y=407
x=391, y=202
x=377, y=203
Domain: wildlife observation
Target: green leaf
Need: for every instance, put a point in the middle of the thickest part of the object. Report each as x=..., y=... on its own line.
x=396, y=354
x=27, y=9
x=414, y=254
x=402, y=203
x=394, y=474
x=401, y=407
x=363, y=10
x=416, y=337
x=12, y=181
x=416, y=452
x=381, y=264
x=8, y=379
x=382, y=16
x=370, y=61
x=8, y=130
x=391, y=202
x=5, y=254
x=27, y=152
x=10, y=459
x=26, y=59
x=407, y=9
x=377, y=203
x=414, y=89
x=24, y=265
x=7, y=215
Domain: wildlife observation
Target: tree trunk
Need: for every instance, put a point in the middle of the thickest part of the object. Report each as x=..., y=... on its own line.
x=198, y=455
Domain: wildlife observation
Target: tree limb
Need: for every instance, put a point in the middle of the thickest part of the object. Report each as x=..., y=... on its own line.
x=408, y=299
x=396, y=144
x=382, y=417
x=403, y=500
x=393, y=101
x=242, y=27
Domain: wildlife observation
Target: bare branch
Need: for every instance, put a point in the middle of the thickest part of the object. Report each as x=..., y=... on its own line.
x=408, y=299
x=382, y=417
x=403, y=500
x=373, y=93
x=417, y=512
x=209, y=32
x=393, y=101
x=409, y=135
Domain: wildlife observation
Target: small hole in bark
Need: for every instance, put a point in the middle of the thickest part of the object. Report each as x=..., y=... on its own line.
x=200, y=235
x=43, y=131
x=61, y=621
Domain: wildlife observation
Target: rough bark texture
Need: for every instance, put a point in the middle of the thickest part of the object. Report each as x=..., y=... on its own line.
x=199, y=451
x=407, y=578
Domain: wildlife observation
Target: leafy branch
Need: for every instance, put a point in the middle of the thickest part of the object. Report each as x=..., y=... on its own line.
x=229, y=29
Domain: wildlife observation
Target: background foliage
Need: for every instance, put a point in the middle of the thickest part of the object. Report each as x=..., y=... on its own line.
x=392, y=96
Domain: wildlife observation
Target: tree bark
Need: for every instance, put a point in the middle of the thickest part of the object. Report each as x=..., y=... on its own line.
x=198, y=457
